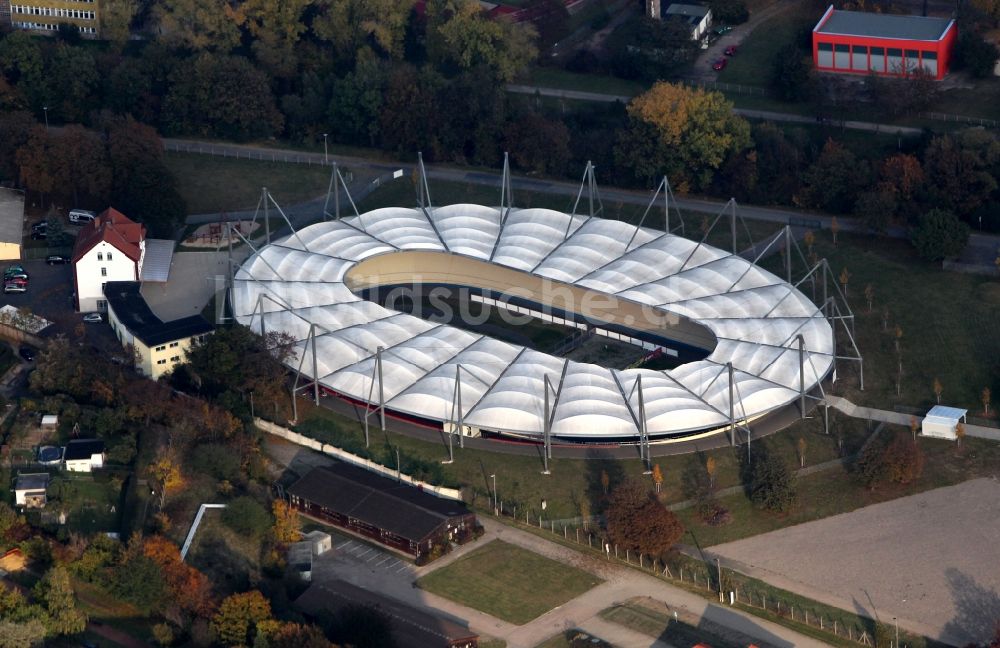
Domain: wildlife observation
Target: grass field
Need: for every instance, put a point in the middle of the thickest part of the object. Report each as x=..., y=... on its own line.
x=752, y=64
x=508, y=582
x=211, y=184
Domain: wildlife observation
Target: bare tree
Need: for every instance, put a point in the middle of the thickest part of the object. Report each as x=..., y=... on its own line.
x=938, y=389
x=885, y=318
x=986, y=396
x=914, y=426
x=834, y=229
x=959, y=433
x=845, y=276
x=801, y=446
x=870, y=296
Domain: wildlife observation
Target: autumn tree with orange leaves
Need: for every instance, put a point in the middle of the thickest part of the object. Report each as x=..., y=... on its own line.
x=188, y=587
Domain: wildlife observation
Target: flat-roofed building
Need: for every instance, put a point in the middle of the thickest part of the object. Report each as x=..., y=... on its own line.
x=859, y=42
x=46, y=16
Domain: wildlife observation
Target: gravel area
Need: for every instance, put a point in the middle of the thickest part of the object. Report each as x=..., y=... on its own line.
x=930, y=560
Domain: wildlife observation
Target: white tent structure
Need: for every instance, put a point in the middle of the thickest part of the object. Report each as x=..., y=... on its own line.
x=758, y=343
x=942, y=421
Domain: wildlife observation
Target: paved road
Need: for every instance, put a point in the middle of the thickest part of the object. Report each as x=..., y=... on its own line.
x=702, y=68
x=769, y=115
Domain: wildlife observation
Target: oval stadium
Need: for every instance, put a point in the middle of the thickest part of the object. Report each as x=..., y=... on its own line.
x=728, y=342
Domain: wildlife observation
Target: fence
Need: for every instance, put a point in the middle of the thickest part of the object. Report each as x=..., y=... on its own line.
x=742, y=90
x=728, y=585
x=974, y=121
x=240, y=153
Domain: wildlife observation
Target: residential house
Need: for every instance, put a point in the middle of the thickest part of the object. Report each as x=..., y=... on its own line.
x=697, y=18
x=83, y=455
x=157, y=346
x=30, y=489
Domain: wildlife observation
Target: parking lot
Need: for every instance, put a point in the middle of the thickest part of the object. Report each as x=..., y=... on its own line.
x=360, y=553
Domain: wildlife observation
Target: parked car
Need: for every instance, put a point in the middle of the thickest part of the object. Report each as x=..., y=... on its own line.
x=81, y=216
x=722, y=29
x=720, y=65
x=56, y=259
x=14, y=267
x=17, y=280
x=730, y=51
x=27, y=352
x=40, y=227
x=11, y=287
x=15, y=275
x=40, y=235
x=93, y=318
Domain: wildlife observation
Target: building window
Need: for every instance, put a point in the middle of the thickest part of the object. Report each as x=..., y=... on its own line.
x=930, y=63
x=109, y=256
x=174, y=344
x=825, y=55
x=100, y=256
x=878, y=59
x=104, y=272
x=859, y=58
x=160, y=348
x=894, y=62
x=842, y=57
x=175, y=358
x=161, y=362
x=102, y=304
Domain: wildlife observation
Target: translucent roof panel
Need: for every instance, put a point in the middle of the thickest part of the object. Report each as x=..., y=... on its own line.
x=468, y=229
x=297, y=285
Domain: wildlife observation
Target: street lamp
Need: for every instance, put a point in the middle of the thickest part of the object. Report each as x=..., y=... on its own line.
x=325, y=160
x=46, y=110
x=494, y=478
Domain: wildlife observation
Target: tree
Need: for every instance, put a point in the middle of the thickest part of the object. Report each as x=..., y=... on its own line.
x=729, y=12
x=809, y=238
x=876, y=209
x=286, y=522
x=790, y=74
x=637, y=521
x=938, y=389
x=684, y=133
x=187, y=587
x=245, y=516
x=985, y=396
x=834, y=229
x=870, y=465
x=196, y=25
x=296, y=635
x=21, y=635
x=959, y=433
x=657, y=477
x=780, y=158
x=605, y=481
x=710, y=468
x=357, y=103
x=276, y=28
x=903, y=175
x=36, y=162
x=56, y=594
x=461, y=36
x=801, y=447
x=551, y=19
x=410, y=111
x=869, y=296
x=845, y=276
x=73, y=79
x=82, y=164
x=235, y=622
x=538, y=144
x=939, y=235
x=771, y=485
x=904, y=459
x=960, y=170
x=359, y=29
x=15, y=130
x=116, y=20
x=167, y=472
x=976, y=54
x=224, y=96
x=834, y=180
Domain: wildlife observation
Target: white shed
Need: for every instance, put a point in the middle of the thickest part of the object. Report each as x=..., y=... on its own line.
x=320, y=542
x=941, y=422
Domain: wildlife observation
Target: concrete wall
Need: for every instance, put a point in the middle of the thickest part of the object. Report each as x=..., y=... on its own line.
x=313, y=444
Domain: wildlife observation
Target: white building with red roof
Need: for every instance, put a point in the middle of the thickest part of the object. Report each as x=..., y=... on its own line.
x=109, y=248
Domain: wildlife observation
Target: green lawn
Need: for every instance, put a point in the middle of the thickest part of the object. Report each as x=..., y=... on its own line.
x=752, y=64
x=508, y=582
x=211, y=184
x=554, y=77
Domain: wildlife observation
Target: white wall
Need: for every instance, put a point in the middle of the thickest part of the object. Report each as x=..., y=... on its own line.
x=89, y=280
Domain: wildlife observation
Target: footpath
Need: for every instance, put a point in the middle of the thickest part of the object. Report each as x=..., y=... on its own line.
x=898, y=418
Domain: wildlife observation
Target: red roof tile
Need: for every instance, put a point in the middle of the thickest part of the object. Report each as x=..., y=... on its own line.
x=115, y=228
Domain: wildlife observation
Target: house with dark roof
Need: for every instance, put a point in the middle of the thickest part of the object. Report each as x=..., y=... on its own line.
x=83, y=455
x=30, y=489
x=157, y=346
x=392, y=513
x=859, y=42
x=411, y=628
x=112, y=247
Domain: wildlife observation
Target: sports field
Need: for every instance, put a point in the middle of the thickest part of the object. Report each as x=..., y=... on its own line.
x=929, y=560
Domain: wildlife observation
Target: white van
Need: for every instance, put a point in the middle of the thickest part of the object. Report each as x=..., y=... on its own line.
x=81, y=216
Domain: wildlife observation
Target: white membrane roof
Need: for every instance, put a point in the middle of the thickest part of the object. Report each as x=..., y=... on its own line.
x=297, y=285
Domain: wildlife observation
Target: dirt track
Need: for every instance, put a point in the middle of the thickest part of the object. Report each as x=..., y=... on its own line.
x=930, y=559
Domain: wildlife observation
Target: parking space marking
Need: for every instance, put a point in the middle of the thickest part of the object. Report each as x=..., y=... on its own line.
x=383, y=560
x=362, y=555
x=345, y=544
x=404, y=566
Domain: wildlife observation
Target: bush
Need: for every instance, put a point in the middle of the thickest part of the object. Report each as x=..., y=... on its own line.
x=216, y=459
x=870, y=465
x=246, y=516
x=976, y=55
x=939, y=235
x=903, y=459
x=730, y=12
x=713, y=513
x=772, y=485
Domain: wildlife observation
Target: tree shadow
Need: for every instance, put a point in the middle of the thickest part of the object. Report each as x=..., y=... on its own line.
x=695, y=481
x=977, y=609
x=601, y=468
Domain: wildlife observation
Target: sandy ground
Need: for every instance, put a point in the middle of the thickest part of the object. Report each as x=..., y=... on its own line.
x=931, y=560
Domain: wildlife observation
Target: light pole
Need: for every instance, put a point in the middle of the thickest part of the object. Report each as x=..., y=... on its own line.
x=896, y=623
x=45, y=109
x=325, y=159
x=494, y=478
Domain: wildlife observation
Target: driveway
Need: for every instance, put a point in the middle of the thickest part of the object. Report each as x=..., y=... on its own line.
x=702, y=69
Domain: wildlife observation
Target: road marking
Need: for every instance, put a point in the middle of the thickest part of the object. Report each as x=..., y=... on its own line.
x=404, y=566
x=383, y=560
x=349, y=542
x=362, y=555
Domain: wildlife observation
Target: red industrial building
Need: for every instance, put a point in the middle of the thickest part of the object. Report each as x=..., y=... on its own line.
x=861, y=43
